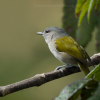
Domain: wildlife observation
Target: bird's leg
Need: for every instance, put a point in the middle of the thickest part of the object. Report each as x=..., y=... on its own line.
x=59, y=67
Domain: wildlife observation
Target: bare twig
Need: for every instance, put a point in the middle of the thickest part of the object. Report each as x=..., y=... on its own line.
x=40, y=79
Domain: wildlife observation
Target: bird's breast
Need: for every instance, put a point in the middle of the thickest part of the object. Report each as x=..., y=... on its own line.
x=62, y=56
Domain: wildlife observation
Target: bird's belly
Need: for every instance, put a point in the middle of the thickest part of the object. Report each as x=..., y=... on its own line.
x=63, y=57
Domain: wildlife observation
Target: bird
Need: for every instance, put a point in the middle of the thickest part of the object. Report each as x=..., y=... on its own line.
x=66, y=49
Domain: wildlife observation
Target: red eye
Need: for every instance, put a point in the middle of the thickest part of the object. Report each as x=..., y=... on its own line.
x=47, y=31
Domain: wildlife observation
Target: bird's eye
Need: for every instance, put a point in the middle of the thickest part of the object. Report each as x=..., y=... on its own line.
x=47, y=31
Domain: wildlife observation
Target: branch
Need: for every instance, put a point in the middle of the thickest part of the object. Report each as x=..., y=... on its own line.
x=95, y=59
x=40, y=79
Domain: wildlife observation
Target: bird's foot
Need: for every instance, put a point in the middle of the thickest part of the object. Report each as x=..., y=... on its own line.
x=59, y=67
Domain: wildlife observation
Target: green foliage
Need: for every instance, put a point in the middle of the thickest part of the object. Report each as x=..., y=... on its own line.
x=83, y=12
x=84, y=6
x=98, y=35
x=95, y=73
x=69, y=20
x=84, y=34
x=79, y=6
x=91, y=5
x=85, y=88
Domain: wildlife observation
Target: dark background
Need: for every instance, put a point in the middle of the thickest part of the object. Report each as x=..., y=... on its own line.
x=24, y=54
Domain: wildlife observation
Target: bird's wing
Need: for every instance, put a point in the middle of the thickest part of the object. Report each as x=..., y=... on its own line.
x=69, y=45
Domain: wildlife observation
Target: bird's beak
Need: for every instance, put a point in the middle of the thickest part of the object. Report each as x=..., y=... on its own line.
x=39, y=33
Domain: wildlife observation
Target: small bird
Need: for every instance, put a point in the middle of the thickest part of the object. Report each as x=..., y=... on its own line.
x=65, y=48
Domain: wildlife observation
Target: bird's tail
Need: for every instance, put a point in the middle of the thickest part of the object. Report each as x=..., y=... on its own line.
x=84, y=68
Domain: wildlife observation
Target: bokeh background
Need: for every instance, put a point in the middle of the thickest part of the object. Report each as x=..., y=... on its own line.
x=24, y=54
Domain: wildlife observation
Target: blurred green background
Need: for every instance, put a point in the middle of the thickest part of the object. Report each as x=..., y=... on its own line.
x=24, y=54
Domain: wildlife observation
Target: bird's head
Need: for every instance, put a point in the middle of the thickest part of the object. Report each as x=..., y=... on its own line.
x=52, y=33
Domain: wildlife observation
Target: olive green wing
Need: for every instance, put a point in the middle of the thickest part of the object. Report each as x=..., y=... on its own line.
x=69, y=45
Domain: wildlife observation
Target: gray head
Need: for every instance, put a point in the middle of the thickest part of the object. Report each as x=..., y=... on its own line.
x=52, y=33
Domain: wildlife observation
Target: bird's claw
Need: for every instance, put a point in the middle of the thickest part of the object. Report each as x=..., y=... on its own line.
x=59, y=67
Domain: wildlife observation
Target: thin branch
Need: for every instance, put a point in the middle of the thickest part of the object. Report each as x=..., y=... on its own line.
x=40, y=79
x=95, y=59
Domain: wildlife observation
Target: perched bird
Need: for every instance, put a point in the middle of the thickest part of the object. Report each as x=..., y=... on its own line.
x=65, y=48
